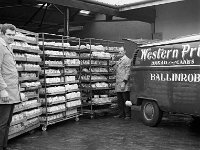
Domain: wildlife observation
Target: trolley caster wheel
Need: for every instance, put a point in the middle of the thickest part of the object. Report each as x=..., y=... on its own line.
x=44, y=128
x=77, y=119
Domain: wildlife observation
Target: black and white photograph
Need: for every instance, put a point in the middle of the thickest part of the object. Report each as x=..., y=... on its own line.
x=99, y=75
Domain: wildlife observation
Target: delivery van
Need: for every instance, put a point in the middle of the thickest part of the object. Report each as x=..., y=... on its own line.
x=165, y=77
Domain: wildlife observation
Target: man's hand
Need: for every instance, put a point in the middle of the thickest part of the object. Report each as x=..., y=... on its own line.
x=125, y=81
x=4, y=96
x=23, y=97
x=112, y=63
x=122, y=85
x=128, y=103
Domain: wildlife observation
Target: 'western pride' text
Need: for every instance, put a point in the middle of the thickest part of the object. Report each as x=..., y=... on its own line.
x=161, y=53
x=175, y=77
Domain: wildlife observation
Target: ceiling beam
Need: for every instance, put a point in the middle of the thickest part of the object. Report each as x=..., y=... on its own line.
x=76, y=23
x=31, y=18
x=99, y=3
x=58, y=9
x=43, y=16
x=4, y=19
x=147, y=3
x=83, y=5
x=71, y=18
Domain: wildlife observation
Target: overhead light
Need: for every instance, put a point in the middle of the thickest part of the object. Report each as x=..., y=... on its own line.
x=84, y=12
x=42, y=4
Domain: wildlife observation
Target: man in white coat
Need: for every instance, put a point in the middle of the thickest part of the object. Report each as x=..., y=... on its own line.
x=9, y=88
x=122, y=86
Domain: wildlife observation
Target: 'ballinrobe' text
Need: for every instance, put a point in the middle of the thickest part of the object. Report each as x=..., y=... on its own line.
x=175, y=77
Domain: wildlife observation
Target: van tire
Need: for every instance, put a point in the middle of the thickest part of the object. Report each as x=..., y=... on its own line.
x=151, y=114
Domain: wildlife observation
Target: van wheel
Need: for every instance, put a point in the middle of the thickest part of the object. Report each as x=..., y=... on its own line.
x=151, y=114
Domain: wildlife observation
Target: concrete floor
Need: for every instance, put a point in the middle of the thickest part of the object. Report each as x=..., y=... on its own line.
x=108, y=133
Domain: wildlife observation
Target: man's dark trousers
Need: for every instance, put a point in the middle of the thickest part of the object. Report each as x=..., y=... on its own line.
x=6, y=112
x=122, y=97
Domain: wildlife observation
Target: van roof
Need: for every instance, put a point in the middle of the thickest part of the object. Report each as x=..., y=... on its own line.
x=182, y=39
x=140, y=41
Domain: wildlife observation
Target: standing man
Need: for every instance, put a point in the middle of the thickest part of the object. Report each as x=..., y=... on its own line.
x=9, y=89
x=122, y=86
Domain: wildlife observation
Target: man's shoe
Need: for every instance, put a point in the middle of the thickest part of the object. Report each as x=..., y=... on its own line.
x=119, y=116
x=127, y=118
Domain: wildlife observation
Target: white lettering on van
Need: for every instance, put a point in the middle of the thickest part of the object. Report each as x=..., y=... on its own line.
x=196, y=77
x=163, y=54
x=175, y=77
x=159, y=54
x=192, y=50
x=190, y=78
x=154, y=55
x=153, y=76
x=184, y=77
x=168, y=53
x=198, y=51
x=144, y=53
x=149, y=55
x=175, y=53
x=186, y=49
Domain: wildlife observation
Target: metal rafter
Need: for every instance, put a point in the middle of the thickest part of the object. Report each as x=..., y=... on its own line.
x=83, y=5
x=43, y=16
x=31, y=18
x=58, y=9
